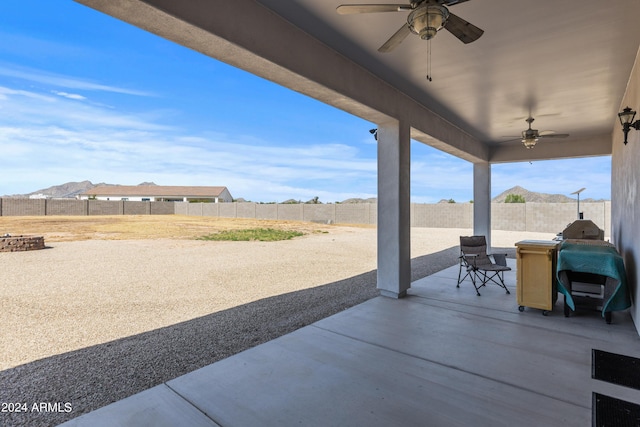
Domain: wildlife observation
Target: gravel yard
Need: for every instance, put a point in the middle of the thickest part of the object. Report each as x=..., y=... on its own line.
x=90, y=321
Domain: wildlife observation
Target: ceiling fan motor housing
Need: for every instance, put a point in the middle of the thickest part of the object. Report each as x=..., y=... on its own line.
x=427, y=20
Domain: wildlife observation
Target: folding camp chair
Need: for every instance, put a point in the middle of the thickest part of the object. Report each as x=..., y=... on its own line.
x=477, y=264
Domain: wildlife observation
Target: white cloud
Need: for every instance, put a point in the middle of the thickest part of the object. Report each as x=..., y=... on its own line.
x=70, y=95
x=29, y=108
x=5, y=94
x=68, y=82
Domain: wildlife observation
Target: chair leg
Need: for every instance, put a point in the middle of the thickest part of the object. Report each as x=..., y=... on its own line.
x=501, y=276
x=461, y=277
x=497, y=278
x=474, y=277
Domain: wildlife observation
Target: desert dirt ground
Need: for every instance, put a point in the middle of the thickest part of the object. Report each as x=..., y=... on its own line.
x=138, y=227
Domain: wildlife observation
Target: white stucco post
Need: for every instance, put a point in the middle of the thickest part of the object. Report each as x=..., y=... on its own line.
x=482, y=200
x=394, y=207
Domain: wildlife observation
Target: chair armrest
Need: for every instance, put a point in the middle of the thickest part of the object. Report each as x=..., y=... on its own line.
x=500, y=259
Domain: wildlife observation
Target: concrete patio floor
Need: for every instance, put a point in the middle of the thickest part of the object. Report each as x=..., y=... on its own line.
x=442, y=356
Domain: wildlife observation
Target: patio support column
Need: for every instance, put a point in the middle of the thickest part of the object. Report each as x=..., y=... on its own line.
x=394, y=207
x=482, y=200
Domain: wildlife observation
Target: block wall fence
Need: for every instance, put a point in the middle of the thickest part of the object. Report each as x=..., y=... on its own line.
x=40, y=207
x=535, y=217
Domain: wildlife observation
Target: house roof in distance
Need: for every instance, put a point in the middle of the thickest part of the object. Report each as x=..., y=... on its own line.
x=154, y=190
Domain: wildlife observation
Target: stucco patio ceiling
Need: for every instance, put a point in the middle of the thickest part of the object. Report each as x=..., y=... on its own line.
x=566, y=63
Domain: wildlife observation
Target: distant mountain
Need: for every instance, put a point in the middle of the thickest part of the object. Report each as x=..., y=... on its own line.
x=71, y=189
x=357, y=200
x=533, y=197
x=68, y=190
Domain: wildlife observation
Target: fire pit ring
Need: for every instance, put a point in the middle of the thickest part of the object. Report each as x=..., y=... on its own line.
x=9, y=243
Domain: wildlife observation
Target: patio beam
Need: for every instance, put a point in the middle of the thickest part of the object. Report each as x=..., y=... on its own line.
x=394, y=208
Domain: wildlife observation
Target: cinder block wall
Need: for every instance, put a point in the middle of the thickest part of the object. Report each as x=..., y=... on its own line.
x=291, y=212
x=442, y=215
x=105, y=207
x=210, y=209
x=136, y=208
x=181, y=208
x=508, y=216
x=246, y=210
x=162, y=208
x=544, y=216
x=269, y=211
x=228, y=210
x=535, y=217
x=23, y=207
x=319, y=213
x=357, y=213
x=39, y=207
x=67, y=207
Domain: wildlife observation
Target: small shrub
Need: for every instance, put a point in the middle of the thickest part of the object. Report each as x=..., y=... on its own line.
x=514, y=198
x=261, y=234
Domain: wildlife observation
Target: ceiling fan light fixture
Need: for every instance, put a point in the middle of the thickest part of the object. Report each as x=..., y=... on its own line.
x=530, y=137
x=426, y=21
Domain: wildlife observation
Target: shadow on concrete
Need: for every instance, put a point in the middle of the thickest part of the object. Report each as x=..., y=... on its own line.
x=95, y=376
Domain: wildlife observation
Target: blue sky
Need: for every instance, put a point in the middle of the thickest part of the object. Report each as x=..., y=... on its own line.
x=84, y=96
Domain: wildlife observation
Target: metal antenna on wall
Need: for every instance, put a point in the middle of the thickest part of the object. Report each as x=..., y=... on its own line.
x=578, y=193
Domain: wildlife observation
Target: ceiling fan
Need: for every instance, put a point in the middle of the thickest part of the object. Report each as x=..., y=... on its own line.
x=530, y=137
x=425, y=19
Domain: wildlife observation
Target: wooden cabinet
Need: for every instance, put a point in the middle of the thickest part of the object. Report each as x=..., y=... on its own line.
x=536, y=285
